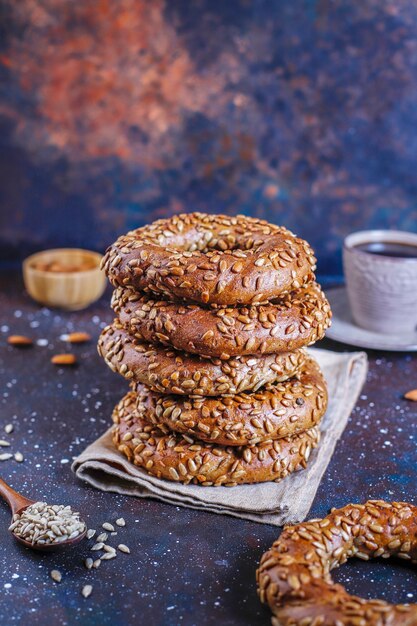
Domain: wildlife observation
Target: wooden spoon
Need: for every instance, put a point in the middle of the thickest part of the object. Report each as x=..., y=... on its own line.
x=18, y=504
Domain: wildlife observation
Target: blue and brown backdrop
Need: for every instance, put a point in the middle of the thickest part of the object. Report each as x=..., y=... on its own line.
x=116, y=112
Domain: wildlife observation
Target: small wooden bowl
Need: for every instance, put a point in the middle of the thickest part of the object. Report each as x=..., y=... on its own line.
x=73, y=289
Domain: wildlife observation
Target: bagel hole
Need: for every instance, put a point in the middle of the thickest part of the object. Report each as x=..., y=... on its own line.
x=392, y=580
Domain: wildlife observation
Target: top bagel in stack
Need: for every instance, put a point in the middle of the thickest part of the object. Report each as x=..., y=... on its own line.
x=211, y=260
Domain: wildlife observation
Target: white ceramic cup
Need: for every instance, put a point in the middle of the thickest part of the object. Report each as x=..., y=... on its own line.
x=382, y=290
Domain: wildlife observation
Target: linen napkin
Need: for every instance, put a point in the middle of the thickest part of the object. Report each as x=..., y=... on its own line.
x=288, y=501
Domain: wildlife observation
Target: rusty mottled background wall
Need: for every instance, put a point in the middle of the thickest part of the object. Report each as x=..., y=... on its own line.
x=116, y=112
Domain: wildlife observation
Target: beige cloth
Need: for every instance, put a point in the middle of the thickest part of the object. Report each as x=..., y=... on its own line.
x=270, y=503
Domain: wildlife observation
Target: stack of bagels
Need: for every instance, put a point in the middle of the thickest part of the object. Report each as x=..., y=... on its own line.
x=213, y=316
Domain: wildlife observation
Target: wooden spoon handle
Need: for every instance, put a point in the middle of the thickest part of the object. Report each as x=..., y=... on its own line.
x=14, y=499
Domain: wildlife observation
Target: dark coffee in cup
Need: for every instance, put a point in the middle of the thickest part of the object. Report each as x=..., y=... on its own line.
x=390, y=249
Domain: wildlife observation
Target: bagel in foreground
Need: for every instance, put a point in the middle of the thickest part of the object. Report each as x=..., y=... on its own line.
x=275, y=411
x=295, y=320
x=166, y=370
x=174, y=457
x=294, y=575
x=211, y=259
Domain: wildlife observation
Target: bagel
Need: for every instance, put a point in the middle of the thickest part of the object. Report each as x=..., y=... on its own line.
x=294, y=575
x=174, y=457
x=167, y=371
x=295, y=320
x=278, y=410
x=210, y=259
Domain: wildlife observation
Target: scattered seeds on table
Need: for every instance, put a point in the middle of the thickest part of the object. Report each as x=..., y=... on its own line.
x=102, y=537
x=120, y=522
x=113, y=533
x=411, y=395
x=109, y=555
x=64, y=359
x=56, y=575
x=18, y=456
x=97, y=563
x=123, y=548
x=108, y=548
x=4, y=443
x=86, y=590
x=8, y=429
x=108, y=526
x=19, y=340
x=90, y=533
x=77, y=337
x=97, y=546
x=5, y=456
x=88, y=563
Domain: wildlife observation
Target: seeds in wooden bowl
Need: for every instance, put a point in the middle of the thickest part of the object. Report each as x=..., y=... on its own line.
x=46, y=524
x=64, y=359
x=19, y=340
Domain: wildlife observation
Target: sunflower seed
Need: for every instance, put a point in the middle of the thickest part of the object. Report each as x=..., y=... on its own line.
x=86, y=591
x=56, y=575
x=123, y=548
x=108, y=526
x=120, y=522
x=8, y=429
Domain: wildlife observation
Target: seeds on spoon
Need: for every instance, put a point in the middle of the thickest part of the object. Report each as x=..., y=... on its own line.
x=44, y=523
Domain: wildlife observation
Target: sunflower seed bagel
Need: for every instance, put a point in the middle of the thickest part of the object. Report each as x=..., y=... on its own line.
x=295, y=320
x=277, y=410
x=294, y=575
x=166, y=370
x=178, y=458
x=211, y=259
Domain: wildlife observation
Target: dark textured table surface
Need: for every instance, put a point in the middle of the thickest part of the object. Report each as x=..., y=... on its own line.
x=185, y=567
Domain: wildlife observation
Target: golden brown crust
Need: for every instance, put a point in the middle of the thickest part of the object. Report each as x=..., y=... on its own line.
x=166, y=370
x=295, y=320
x=211, y=259
x=174, y=457
x=294, y=575
x=278, y=410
